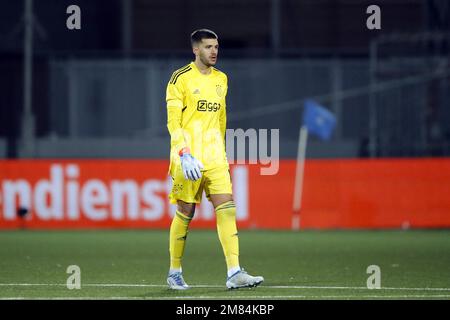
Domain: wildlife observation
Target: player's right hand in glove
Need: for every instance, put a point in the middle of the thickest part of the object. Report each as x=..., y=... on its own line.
x=191, y=167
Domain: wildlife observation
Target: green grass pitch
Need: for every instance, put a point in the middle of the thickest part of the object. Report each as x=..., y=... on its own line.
x=133, y=264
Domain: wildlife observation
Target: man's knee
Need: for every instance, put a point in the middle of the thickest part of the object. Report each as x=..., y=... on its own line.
x=185, y=208
x=219, y=199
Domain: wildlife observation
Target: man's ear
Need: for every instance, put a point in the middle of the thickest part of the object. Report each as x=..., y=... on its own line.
x=195, y=50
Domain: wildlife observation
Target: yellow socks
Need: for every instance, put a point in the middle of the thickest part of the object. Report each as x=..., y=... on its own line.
x=228, y=235
x=178, y=234
x=226, y=228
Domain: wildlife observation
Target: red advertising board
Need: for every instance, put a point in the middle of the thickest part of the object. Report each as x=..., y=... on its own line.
x=380, y=193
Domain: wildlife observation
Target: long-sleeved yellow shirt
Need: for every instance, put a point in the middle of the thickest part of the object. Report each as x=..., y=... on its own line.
x=196, y=115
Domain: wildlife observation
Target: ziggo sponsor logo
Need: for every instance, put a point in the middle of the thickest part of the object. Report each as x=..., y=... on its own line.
x=62, y=197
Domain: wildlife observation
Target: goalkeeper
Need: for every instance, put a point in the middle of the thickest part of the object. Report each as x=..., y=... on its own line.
x=196, y=119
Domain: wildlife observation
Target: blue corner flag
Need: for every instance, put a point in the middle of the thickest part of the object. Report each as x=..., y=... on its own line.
x=318, y=119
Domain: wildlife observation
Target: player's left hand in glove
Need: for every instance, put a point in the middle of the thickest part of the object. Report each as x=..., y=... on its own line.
x=191, y=167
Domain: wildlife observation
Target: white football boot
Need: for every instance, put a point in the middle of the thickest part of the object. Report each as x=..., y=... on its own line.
x=242, y=279
x=176, y=282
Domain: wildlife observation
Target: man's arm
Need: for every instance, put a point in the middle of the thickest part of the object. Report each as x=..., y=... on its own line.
x=191, y=167
x=223, y=121
x=174, y=99
x=223, y=114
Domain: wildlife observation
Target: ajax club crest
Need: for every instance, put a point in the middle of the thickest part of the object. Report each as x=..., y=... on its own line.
x=219, y=90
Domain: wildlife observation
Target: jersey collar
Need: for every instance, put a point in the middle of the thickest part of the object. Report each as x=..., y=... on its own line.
x=194, y=66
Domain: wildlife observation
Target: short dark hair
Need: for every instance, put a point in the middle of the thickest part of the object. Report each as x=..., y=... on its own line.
x=200, y=34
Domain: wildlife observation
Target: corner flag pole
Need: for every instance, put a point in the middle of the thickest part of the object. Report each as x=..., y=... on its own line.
x=299, y=173
x=28, y=118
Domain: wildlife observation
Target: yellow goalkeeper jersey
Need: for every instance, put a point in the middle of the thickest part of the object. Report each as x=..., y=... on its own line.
x=196, y=115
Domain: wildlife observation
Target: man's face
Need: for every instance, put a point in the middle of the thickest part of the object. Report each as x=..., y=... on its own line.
x=207, y=51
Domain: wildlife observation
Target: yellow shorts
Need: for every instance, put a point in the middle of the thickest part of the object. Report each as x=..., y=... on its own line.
x=213, y=181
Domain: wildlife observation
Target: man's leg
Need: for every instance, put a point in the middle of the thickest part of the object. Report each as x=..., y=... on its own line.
x=228, y=235
x=227, y=230
x=177, y=242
